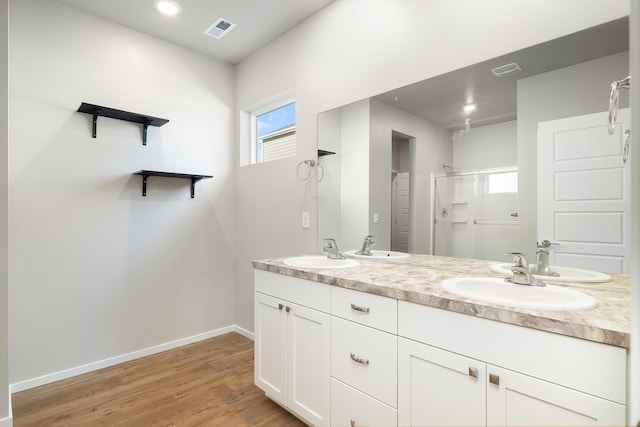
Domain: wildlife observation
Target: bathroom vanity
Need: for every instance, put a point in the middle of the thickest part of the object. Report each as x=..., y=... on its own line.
x=381, y=344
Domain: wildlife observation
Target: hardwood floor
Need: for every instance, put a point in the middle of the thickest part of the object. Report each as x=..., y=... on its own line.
x=208, y=383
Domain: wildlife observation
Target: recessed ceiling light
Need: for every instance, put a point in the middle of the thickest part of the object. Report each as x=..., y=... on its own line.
x=168, y=7
x=469, y=108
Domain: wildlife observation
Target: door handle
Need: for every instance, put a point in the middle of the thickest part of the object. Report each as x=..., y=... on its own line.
x=473, y=372
x=494, y=379
x=359, y=360
x=360, y=309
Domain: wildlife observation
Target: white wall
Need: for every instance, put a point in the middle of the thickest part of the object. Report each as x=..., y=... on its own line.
x=486, y=147
x=337, y=57
x=571, y=91
x=97, y=270
x=329, y=139
x=4, y=212
x=354, y=153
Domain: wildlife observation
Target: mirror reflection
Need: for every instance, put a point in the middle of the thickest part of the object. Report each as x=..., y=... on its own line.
x=450, y=165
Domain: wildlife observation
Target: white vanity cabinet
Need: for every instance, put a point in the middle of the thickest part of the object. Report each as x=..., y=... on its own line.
x=292, y=344
x=341, y=357
x=508, y=376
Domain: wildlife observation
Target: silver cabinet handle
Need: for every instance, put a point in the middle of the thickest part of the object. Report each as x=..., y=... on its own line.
x=494, y=379
x=360, y=309
x=353, y=423
x=359, y=360
x=473, y=372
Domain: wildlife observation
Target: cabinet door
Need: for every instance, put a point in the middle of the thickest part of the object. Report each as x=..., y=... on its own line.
x=270, y=364
x=514, y=399
x=309, y=377
x=439, y=388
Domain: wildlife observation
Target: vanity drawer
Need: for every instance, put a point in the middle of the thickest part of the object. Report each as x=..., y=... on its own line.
x=350, y=407
x=365, y=358
x=368, y=309
x=311, y=294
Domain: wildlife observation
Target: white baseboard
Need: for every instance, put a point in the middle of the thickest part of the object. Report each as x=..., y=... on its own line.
x=244, y=332
x=94, y=366
x=8, y=420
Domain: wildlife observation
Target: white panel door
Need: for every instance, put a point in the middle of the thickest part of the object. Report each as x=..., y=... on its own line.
x=400, y=212
x=309, y=377
x=270, y=366
x=584, y=192
x=514, y=399
x=439, y=388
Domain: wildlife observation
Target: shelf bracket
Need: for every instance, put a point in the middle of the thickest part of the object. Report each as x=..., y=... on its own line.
x=144, y=183
x=193, y=186
x=96, y=113
x=144, y=131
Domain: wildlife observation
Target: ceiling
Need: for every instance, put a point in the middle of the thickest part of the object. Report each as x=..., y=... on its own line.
x=440, y=99
x=258, y=21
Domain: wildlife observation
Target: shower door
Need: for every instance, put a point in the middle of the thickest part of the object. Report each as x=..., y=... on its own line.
x=476, y=214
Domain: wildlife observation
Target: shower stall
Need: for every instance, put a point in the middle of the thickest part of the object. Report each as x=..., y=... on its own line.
x=475, y=214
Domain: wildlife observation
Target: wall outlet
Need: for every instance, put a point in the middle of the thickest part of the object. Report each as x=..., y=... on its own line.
x=376, y=218
x=305, y=220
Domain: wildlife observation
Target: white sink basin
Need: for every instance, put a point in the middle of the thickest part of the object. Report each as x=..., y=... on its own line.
x=567, y=274
x=378, y=254
x=497, y=291
x=319, y=261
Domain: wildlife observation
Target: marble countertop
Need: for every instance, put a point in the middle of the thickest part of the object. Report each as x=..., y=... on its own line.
x=417, y=279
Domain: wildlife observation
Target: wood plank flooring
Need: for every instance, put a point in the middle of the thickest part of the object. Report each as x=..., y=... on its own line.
x=208, y=383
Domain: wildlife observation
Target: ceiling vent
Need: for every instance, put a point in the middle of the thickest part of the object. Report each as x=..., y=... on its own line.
x=220, y=28
x=503, y=70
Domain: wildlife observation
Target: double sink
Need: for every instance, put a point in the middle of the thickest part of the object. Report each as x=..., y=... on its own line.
x=484, y=289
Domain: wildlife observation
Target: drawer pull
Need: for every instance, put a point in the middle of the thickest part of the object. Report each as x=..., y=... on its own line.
x=494, y=379
x=353, y=423
x=359, y=360
x=360, y=309
x=280, y=306
x=473, y=372
x=287, y=309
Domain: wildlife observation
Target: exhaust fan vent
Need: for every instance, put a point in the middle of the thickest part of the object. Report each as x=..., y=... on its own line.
x=220, y=28
x=503, y=70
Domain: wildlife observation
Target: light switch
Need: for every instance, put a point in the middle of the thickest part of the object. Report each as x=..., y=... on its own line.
x=305, y=220
x=376, y=219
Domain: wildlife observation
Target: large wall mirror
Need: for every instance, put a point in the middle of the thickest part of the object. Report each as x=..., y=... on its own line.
x=449, y=166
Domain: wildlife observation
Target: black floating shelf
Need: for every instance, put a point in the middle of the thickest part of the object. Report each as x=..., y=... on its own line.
x=112, y=113
x=324, y=153
x=194, y=178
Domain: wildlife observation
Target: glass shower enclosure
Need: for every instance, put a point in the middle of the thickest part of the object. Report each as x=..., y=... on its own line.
x=475, y=214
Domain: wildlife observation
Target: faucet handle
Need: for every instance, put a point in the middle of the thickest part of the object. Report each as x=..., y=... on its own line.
x=331, y=243
x=546, y=244
x=519, y=259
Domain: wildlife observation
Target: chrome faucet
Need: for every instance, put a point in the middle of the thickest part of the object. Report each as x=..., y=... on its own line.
x=366, y=245
x=542, y=261
x=521, y=273
x=331, y=249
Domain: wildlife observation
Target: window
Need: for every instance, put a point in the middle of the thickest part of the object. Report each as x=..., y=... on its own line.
x=503, y=183
x=274, y=131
